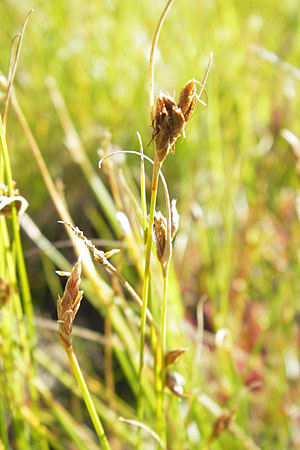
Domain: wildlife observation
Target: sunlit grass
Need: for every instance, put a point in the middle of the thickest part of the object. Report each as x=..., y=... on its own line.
x=236, y=252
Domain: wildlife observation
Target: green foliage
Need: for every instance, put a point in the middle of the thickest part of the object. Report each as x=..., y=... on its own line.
x=236, y=180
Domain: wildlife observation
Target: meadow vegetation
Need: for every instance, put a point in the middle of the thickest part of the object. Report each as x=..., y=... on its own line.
x=197, y=352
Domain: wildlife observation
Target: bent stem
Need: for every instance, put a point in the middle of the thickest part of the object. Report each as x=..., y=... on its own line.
x=13, y=67
x=87, y=398
x=152, y=57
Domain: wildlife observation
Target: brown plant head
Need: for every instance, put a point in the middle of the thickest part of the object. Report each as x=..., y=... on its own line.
x=170, y=118
x=221, y=424
x=68, y=305
x=175, y=383
x=5, y=292
x=188, y=99
x=173, y=356
x=160, y=233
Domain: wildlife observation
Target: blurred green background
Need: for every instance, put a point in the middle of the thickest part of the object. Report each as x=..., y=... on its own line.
x=235, y=175
x=97, y=52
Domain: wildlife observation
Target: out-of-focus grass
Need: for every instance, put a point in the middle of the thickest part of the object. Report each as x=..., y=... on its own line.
x=234, y=176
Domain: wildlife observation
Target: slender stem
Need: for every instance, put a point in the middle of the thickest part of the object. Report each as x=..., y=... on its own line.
x=161, y=369
x=116, y=317
x=12, y=72
x=87, y=398
x=109, y=374
x=28, y=343
x=3, y=430
x=100, y=257
x=143, y=188
x=152, y=57
x=58, y=202
x=160, y=345
x=155, y=175
x=79, y=156
x=24, y=285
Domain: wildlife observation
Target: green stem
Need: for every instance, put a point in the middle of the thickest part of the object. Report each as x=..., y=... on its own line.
x=155, y=175
x=87, y=398
x=161, y=366
x=3, y=431
x=24, y=285
x=143, y=189
x=152, y=57
x=28, y=343
x=80, y=157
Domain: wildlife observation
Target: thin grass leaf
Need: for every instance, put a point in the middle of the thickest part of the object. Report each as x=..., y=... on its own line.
x=144, y=427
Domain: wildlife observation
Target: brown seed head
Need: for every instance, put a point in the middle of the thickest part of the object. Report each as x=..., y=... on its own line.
x=174, y=383
x=160, y=231
x=221, y=424
x=68, y=305
x=170, y=118
x=167, y=125
x=188, y=99
x=173, y=356
x=5, y=292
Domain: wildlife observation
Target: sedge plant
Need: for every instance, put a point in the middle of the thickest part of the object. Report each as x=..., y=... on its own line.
x=18, y=309
x=168, y=122
x=67, y=308
x=106, y=286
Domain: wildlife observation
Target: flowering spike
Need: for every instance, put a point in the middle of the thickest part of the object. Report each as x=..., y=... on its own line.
x=68, y=305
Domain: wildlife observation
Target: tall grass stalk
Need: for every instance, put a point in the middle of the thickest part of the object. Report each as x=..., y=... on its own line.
x=145, y=292
x=24, y=285
x=67, y=308
x=12, y=66
x=88, y=399
x=3, y=429
x=143, y=189
x=161, y=369
x=78, y=154
x=127, y=360
x=27, y=336
x=155, y=175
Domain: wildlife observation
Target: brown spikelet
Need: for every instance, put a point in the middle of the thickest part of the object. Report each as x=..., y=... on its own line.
x=167, y=125
x=68, y=305
x=160, y=232
x=188, y=99
x=174, y=383
x=173, y=356
x=221, y=424
x=99, y=255
x=170, y=118
x=5, y=292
